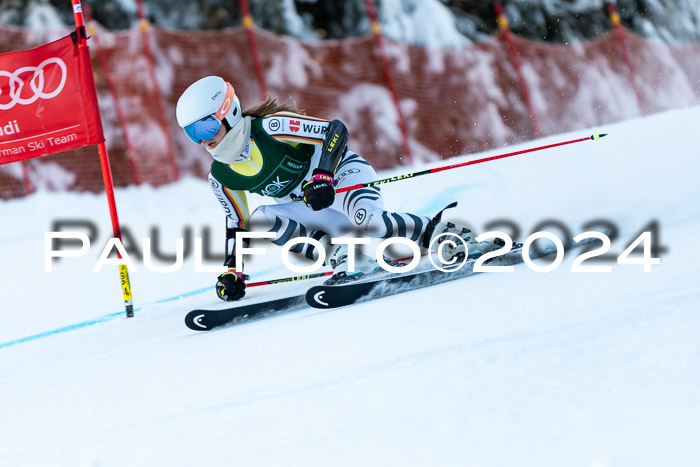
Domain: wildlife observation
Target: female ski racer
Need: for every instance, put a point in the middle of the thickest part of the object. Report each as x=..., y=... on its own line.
x=274, y=150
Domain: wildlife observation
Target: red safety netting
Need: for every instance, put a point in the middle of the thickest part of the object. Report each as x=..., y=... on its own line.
x=455, y=101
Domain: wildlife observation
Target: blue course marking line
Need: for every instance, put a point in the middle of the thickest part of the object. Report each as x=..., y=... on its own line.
x=101, y=319
x=110, y=317
x=61, y=330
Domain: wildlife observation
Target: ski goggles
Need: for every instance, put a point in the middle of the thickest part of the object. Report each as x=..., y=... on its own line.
x=205, y=128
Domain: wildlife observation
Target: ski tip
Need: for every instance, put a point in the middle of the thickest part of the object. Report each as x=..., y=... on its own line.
x=598, y=136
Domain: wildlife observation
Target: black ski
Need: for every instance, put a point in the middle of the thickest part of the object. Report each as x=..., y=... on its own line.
x=205, y=320
x=333, y=296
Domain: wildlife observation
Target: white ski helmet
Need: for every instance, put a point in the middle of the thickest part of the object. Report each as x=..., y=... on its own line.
x=209, y=96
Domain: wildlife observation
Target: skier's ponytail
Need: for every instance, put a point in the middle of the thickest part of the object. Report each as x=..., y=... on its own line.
x=270, y=105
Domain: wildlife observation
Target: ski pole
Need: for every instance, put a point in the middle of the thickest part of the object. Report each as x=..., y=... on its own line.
x=289, y=279
x=463, y=164
x=309, y=276
x=594, y=137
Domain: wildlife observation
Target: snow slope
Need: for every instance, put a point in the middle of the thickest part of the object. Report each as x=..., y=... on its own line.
x=523, y=368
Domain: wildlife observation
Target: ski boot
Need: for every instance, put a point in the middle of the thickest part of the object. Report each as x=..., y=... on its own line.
x=441, y=235
x=338, y=260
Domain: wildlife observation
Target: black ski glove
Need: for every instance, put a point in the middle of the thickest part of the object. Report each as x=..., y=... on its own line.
x=230, y=286
x=319, y=193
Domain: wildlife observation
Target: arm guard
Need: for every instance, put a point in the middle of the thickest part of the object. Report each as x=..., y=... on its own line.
x=334, y=146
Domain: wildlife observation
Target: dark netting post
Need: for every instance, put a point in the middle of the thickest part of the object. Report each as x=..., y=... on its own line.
x=386, y=69
x=250, y=33
x=615, y=19
x=504, y=29
x=104, y=66
x=145, y=26
x=25, y=178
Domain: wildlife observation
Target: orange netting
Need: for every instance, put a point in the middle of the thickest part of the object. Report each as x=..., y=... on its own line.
x=455, y=101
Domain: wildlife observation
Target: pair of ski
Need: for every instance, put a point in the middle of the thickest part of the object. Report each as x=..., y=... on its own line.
x=338, y=295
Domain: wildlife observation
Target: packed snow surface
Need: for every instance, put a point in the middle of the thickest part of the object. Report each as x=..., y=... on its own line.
x=521, y=368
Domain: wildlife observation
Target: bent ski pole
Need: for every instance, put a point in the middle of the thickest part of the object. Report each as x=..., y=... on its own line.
x=463, y=164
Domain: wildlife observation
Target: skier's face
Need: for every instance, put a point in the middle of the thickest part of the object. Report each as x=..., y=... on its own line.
x=216, y=139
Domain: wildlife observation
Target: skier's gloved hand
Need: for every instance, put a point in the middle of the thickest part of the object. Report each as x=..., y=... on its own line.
x=230, y=286
x=319, y=192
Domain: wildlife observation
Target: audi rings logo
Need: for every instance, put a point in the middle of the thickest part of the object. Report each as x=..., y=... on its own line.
x=37, y=84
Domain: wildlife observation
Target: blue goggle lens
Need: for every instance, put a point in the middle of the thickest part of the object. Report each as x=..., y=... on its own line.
x=203, y=129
